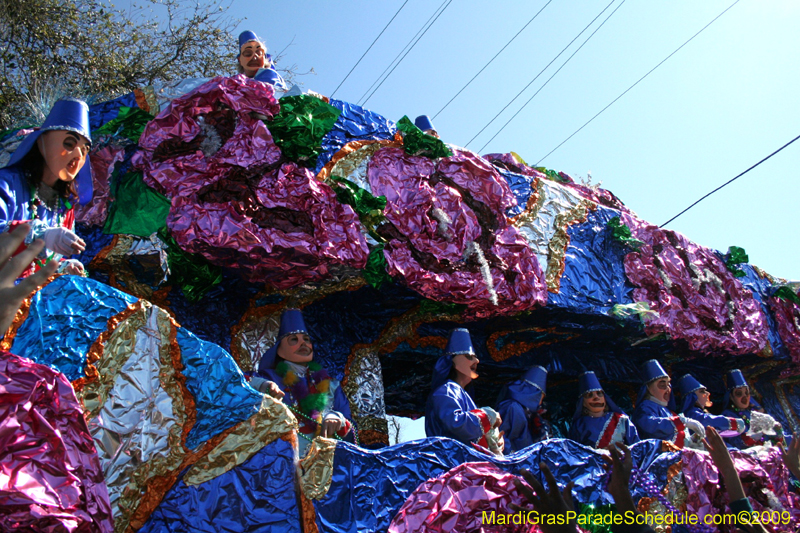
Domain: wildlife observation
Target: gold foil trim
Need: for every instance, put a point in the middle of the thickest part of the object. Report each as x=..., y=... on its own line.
x=515, y=349
x=272, y=420
x=533, y=206
x=21, y=315
x=560, y=241
x=325, y=173
x=316, y=468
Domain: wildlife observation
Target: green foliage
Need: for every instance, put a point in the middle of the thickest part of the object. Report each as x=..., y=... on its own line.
x=55, y=48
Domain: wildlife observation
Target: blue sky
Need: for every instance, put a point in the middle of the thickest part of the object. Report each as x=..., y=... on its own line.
x=722, y=103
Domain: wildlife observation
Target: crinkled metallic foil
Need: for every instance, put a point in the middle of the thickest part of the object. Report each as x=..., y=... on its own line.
x=352, y=165
x=538, y=222
x=459, y=499
x=102, y=161
x=137, y=209
x=560, y=241
x=300, y=126
x=418, y=143
x=313, y=235
x=129, y=123
x=367, y=377
x=191, y=272
x=355, y=124
x=135, y=409
x=184, y=169
x=50, y=476
x=438, y=241
x=787, y=322
x=64, y=319
x=104, y=112
x=696, y=296
x=272, y=420
x=316, y=468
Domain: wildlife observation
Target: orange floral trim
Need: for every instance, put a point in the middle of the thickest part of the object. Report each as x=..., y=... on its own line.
x=308, y=515
x=515, y=349
x=533, y=205
x=371, y=436
x=95, y=352
x=347, y=149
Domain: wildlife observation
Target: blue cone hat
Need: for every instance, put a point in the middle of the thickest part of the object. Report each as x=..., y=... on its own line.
x=527, y=391
x=459, y=343
x=736, y=379
x=69, y=114
x=291, y=323
x=687, y=385
x=423, y=123
x=588, y=382
x=651, y=371
x=247, y=36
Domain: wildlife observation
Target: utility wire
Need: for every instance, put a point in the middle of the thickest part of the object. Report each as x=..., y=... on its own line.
x=370, y=48
x=409, y=50
x=635, y=84
x=540, y=73
x=730, y=181
x=492, y=59
x=400, y=53
x=550, y=78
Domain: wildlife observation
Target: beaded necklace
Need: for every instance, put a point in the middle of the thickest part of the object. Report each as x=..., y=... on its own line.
x=60, y=210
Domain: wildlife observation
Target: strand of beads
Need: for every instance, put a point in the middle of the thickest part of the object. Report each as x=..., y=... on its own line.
x=647, y=482
x=303, y=415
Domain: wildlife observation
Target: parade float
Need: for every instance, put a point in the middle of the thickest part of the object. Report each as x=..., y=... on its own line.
x=126, y=404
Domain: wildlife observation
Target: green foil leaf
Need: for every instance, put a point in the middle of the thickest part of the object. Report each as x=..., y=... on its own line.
x=191, y=272
x=416, y=142
x=735, y=256
x=300, y=126
x=786, y=293
x=622, y=233
x=433, y=307
x=375, y=271
x=137, y=209
x=130, y=123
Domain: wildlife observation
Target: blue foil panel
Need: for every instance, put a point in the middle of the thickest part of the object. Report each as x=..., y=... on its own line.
x=256, y=496
x=354, y=124
x=222, y=397
x=65, y=318
x=761, y=289
x=104, y=112
x=521, y=188
x=594, y=276
x=369, y=487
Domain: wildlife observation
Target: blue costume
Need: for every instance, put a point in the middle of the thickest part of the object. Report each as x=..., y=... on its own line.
x=20, y=202
x=600, y=432
x=688, y=385
x=653, y=420
x=300, y=381
x=450, y=411
x=518, y=406
x=749, y=438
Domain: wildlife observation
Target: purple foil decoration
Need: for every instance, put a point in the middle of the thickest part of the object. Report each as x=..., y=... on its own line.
x=207, y=133
x=233, y=201
x=102, y=161
x=448, y=237
x=765, y=480
x=457, y=501
x=285, y=229
x=787, y=321
x=50, y=474
x=697, y=298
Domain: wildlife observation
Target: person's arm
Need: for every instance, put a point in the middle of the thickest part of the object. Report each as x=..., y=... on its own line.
x=631, y=435
x=791, y=457
x=514, y=426
x=654, y=426
x=551, y=502
x=11, y=294
x=724, y=462
x=619, y=488
x=718, y=422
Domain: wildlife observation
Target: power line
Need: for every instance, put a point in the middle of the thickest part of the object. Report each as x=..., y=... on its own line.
x=730, y=181
x=492, y=59
x=370, y=48
x=551, y=77
x=635, y=84
x=540, y=73
x=400, y=52
x=409, y=50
